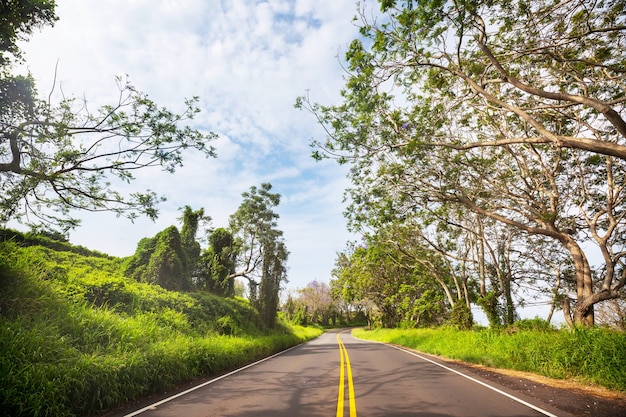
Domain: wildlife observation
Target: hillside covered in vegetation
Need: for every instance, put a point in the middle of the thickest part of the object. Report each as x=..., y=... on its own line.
x=77, y=337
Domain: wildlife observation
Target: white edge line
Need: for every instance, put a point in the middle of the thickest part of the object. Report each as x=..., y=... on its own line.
x=514, y=398
x=204, y=384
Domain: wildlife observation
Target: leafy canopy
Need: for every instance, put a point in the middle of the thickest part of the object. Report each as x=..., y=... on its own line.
x=56, y=158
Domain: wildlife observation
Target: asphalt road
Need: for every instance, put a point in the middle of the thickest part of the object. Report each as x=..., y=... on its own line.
x=337, y=375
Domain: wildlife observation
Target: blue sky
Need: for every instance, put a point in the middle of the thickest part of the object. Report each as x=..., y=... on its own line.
x=247, y=61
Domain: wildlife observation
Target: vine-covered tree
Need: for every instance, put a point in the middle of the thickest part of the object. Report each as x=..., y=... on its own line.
x=170, y=258
x=191, y=222
x=59, y=157
x=511, y=111
x=217, y=264
x=161, y=260
x=274, y=273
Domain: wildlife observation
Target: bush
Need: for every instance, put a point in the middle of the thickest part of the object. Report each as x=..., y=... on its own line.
x=461, y=317
x=537, y=324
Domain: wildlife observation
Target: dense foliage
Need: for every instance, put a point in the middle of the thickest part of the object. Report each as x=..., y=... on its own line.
x=261, y=253
x=314, y=304
x=217, y=264
x=53, y=241
x=252, y=248
x=496, y=130
x=402, y=292
x=161, y=260
x=77, y=337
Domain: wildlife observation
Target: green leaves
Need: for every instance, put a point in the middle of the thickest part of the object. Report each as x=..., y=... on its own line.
x=487, y=111
x=18, y=19
x=77, y=338
x=161, y=260
x=66, y=154
x=396, y=274
x=217, y=264
x=58, y=157
x=261, y=251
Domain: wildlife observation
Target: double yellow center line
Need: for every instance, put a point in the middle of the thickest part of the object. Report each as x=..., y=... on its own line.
x=343, y=366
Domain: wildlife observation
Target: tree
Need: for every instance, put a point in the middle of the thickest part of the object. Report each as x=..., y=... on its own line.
x=317, y=301
x=171, y=258
x=18, y=18
x=260, y=248
x=517, y=121
x=387, y=275
x=161, y=260
x=191, y=221
x=217, y=264
x=440, y=267
x=274, y=274
x=60, y=157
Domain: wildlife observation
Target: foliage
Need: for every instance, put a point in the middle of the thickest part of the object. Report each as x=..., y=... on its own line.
x=60, y=157
x=76, y=337
x=274, y=273
x=261, y=253
x=17, y=20
x=217, y=264
x=42, y=239
x=161, y=260
x=503, y=114
x=313, y=304
x=489, y=303
x=191, y=221
x=402, y=281
x=461, y=317
x=588, y=355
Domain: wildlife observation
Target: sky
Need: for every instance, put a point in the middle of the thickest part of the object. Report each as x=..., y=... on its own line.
x=247, y=61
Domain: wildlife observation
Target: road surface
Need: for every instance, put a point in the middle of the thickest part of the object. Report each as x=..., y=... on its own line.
x=338, y=375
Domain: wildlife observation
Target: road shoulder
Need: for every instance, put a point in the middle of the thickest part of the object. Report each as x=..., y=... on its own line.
x=570, y=396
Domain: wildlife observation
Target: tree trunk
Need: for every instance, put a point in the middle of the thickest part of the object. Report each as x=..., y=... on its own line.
x=510, y=307
x=583, y=314
x=567, y=314
x=555, y=295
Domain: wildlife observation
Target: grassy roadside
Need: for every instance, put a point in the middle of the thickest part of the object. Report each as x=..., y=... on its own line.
x=596, y=356
x=76, y=337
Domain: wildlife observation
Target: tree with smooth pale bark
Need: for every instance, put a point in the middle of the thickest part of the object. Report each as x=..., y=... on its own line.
x=261, y=251
x=510, y=111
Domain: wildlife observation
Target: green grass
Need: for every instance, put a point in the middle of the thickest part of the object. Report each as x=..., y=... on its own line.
x=596, y=356
x=76, y=337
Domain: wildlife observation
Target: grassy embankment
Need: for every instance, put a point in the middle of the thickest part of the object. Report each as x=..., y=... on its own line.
x=596, y=356
x=76, y=337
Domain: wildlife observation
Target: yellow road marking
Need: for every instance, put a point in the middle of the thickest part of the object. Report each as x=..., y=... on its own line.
x=342, y=389
x=345, y=362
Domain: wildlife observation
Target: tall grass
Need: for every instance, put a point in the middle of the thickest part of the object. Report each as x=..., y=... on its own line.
x=595, y=356
x=76, y=337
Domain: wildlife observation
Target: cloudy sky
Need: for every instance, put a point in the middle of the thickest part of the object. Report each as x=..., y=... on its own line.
x=247, y=60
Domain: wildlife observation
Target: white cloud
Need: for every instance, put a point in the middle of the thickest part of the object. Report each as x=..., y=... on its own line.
x=247, y=61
